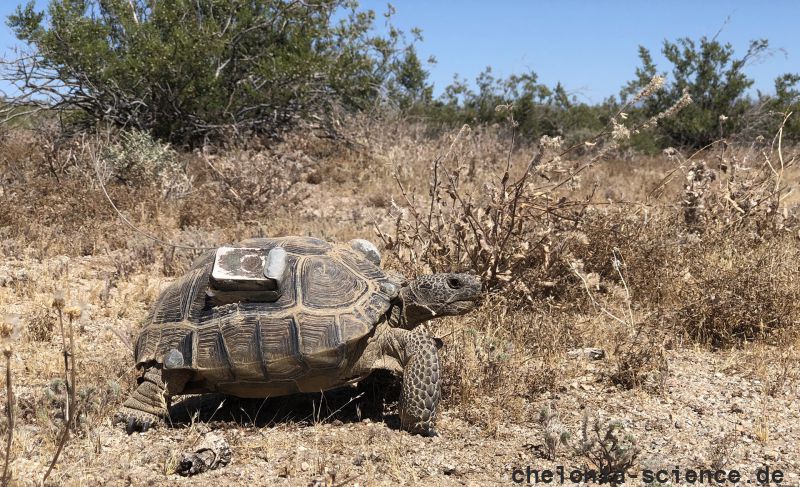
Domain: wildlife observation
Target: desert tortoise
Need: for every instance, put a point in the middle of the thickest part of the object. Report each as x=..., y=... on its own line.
x=277, y=316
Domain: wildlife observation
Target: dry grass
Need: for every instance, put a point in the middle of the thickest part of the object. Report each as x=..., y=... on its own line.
x=651, y=259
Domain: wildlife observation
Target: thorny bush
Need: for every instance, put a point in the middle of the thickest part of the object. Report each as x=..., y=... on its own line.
x=518, y=218
x=708, y=249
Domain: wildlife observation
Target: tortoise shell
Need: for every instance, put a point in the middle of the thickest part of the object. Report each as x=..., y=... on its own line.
x=331, y=297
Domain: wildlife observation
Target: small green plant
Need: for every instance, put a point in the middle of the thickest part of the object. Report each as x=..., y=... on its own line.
x=607, y=447
x=722, y=449
x=137, y=159
x=554, y=433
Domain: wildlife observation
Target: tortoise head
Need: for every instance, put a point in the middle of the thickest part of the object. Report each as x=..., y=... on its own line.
x=436, y=295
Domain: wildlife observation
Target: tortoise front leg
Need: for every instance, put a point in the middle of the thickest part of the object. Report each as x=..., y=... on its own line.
x=147, y=405
x=421, y=382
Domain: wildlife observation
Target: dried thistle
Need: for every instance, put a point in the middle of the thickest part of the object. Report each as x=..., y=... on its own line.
x=9, y=332
x=58, y=300
x=551, y=143
x=73, y=312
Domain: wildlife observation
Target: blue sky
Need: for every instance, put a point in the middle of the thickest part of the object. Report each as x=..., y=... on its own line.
x=589, y=46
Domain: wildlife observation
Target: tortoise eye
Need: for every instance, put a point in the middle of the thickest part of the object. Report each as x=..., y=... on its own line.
x=454, y=283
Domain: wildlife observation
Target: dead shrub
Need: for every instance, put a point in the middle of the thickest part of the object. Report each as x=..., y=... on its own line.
x=722, y=287
x=40, y=324
x=504, y=223
x=499, y=352
x=251, y=182
x=732, y=292
x=476, y=363
x=46, y=150
x=717, y=265
x=490, y=229
x=641, y=362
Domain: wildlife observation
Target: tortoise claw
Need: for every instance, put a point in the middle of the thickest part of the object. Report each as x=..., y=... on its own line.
x=131, y=426
x=429, y=433
x=135, y=420
x=426, y=431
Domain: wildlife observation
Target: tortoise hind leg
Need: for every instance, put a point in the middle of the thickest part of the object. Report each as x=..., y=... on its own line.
x=421, y=383
x=147, y=405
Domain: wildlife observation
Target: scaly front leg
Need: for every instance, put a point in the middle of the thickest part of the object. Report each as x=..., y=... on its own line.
x=147, y=405
x=421, y=383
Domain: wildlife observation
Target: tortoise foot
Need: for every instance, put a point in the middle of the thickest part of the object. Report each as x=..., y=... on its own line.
x=423, y=429
x=135, y=420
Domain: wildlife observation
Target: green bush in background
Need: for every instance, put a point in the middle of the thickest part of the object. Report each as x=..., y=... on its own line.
x=189, y=70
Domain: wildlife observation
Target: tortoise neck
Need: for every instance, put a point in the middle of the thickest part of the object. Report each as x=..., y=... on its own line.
x=396, y=316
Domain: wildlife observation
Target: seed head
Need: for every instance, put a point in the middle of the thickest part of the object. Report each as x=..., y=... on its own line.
x=654, y=85
x=679, y=105
x=10, y=331
x=73, y=312
x=550, y=143
x=620, y=131
x=58, y=300
x=9, y=327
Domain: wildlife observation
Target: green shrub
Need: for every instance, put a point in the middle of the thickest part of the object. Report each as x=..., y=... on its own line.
x=137, y=159
x=537, y=109
x=189, y=70
x=786, y=101
x=713, y=76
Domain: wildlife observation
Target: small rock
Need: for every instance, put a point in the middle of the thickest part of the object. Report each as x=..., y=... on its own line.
x=358, y=460
x=304, y=467
x=588, y=353
x=678, y=424
x=213, y=452
x=449, y=469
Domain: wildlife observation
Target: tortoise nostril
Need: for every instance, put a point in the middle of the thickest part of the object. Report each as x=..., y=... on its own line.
x=454, y=283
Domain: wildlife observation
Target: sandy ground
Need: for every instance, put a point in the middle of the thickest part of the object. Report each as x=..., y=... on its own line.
x=711, y=413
